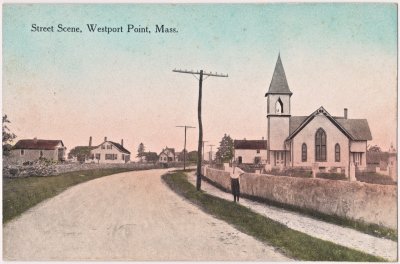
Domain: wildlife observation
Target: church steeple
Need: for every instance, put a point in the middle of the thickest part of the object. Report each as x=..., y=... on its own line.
x=279, y=83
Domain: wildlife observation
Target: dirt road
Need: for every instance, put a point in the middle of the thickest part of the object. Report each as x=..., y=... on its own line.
x=127, y=216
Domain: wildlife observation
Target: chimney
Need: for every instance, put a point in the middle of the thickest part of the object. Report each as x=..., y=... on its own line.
x=262, y=138
x=345, y=113
x=35, y=140
x=105, y=138
x=122, y=142
x=90, y=141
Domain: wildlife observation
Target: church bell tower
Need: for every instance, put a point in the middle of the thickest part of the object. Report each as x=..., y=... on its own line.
x=278, y=117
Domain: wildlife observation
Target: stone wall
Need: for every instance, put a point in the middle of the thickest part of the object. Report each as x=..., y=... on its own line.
x=45, y=169
x=371, y=203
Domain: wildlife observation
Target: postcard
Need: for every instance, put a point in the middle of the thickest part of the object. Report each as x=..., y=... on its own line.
x=200, y=131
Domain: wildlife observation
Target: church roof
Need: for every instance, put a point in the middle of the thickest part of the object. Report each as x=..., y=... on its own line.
x=358, y=128
x=355, y=129
x=279, y=83
x=250, y=144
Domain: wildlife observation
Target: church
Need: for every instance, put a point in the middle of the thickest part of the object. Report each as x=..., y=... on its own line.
x=318, y=140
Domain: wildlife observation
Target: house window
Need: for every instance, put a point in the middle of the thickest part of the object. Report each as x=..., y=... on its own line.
x=123, y=157
x=304, y=152
x=41, y=154
x=22, y=152
x=97, y=156
x=103, y=147
x=320, y=145
x=108, y=146
x=337, y=152
x=109, y=156
x=258, y=151
x=115, y=156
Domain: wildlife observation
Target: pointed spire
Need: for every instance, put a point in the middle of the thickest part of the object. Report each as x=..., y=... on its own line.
x=279, y=83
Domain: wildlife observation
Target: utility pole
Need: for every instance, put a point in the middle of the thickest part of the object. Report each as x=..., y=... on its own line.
x=201, y=73
x=211, y=153
x=203, y=148
x=184, y=147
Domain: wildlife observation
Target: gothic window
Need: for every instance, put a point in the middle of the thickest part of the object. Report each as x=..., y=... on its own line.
x=304, y=152
x=320, y=145
x=279, y=106
x=337, y=152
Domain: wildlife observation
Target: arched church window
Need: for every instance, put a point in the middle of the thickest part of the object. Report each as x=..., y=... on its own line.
x=320, y=145
x=337, y=152
x=279, y=106
x=304, y=152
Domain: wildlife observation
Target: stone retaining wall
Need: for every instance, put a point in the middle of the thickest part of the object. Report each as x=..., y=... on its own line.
x=371, y=203
x=43, y=169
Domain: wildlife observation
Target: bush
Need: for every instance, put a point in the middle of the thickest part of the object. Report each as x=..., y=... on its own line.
x=331, y=176
x=292, y=172
x=374, y=178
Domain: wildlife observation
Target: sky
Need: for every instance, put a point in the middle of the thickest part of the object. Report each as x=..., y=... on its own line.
x=71, y=86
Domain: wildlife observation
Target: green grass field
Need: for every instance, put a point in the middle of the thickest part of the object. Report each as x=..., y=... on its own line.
x=20, y=194
x=294, y=244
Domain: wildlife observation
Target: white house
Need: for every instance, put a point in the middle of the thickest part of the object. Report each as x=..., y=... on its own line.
x=34, y=149
x=109, y=152
x=250, y=151
x=167, y=155
x=318, y=139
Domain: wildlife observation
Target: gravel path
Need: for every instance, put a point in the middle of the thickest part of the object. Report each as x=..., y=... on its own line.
x=127, y=216
x=340, y=235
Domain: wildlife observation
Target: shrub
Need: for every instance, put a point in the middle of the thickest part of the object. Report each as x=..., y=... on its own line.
x=302, y=172
x=331, y=176
x=375, y=178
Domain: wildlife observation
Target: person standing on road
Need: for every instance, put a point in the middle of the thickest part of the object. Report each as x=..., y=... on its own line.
x=235, y=182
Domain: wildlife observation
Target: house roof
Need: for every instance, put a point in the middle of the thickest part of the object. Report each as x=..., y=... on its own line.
x=119, y=147
x=279, y=83
x=250, y=144
x=355, y=129
x=37, y=144
x=166, y=150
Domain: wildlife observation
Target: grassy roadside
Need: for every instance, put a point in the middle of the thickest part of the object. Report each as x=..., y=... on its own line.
x=292, y=243
x=20, y=194
x=370, y=229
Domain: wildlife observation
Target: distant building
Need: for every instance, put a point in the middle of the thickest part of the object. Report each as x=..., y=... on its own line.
x=317, y=140
x=109, y=152
x=167, y=155
x=250, y=151
x=35, y=149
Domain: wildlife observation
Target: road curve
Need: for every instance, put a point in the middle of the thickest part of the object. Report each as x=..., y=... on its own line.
x=126, y=216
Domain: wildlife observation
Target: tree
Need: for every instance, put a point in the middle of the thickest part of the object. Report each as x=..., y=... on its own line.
x=140, y=150
x=225, y=149
x=374, y=148
x=80, y=152
x=151, y=157
x=8, y=137
x=181, y=155
x=192, y=156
